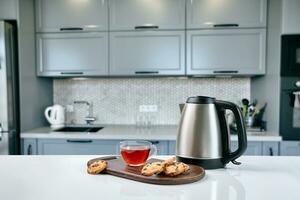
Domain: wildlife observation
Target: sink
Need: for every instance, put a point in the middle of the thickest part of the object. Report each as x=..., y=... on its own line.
x=79, y=129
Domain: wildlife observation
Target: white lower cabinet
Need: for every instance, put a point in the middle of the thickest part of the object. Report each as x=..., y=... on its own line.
x=77, y=147
x=29, y=147
x=270, y=148
x=172, y=148
x=253, y=148
x=290, y=148
x=164, y=147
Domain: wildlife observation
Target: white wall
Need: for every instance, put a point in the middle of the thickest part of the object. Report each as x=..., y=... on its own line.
x=267, y=88
x=290, y=16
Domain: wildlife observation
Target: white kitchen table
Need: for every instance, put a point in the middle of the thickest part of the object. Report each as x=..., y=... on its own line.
x=65, y=177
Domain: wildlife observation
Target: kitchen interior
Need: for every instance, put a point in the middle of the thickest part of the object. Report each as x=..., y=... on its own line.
x=215, y=83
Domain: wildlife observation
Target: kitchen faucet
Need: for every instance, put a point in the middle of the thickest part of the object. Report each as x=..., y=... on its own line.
x=89, y=118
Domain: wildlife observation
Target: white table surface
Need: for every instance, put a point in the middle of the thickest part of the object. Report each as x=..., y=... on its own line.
x=65, y=177
x=131, y=132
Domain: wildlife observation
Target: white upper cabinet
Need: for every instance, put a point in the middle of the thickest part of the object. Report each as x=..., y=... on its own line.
x=71, y=15
x=226, y=13
x=147, y=53
x=226, y=52
x=291, y=17
x=72, y=54
x=142, y=14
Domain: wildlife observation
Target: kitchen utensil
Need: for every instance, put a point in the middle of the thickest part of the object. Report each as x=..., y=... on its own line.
x=55, y=116
x=203, y=135
x=245, y=105
x=117, y=167
x=136, y=153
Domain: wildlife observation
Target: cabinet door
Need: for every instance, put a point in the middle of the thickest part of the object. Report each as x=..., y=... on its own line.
x=219, y=52
x=147, y=53
x=253, y=148
x=271, y=148
x=70, y=15
x=290, y=148
x=227, y=13
x=29, y=147
x=77, y=147
x=172, y=148
x=162, y=147
x=141, y=14
x=72, y=54
x=8, y=9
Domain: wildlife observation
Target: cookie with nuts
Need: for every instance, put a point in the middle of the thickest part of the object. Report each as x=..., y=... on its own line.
x=97, y=167
x=176, y=169
x=152, y=168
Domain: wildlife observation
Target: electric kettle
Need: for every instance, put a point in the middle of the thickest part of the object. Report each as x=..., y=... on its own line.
x=55, y=116
x=203, y=136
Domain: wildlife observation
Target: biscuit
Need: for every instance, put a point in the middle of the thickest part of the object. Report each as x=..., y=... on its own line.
x=97, y=167
x=169, y=161
x=176, y=169
x=152, y=168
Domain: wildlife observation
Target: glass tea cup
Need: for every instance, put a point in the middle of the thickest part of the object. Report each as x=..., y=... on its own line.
x=136, y=153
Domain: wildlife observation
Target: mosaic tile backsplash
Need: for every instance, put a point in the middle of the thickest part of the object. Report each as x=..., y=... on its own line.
x=117, y=100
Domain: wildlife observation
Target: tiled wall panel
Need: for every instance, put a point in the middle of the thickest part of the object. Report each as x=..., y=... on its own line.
x=117, y=100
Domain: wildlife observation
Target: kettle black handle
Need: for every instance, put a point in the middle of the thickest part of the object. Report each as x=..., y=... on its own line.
x=241, y=130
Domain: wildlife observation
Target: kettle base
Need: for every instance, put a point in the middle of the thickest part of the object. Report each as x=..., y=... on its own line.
x=205, y=163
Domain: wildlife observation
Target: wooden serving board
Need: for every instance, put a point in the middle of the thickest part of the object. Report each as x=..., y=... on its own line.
x=117, y=167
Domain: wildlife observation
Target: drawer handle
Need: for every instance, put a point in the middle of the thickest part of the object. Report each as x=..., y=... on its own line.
x=71, y=73
x=225, y=25
x=146, y=27
x=80, y=141
x=71, y=29
x=271, y=153
x=226, y=72
x=146, y=72
x=29, y=150
x=154, y=142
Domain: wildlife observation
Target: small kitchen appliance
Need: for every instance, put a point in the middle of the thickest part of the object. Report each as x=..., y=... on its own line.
x=203, y=136
x=55, y=116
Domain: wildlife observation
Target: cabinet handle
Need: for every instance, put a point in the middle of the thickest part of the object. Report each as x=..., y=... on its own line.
x=154, y=142
x=71, y=29
x=226, y=72
x=71, y=73
x=146, y=72
x=225, y=25
x=80, y=141
x=146, y=27
x=271, y=153
x=29, y=150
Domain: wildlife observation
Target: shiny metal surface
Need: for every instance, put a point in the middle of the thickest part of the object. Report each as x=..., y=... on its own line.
x=199, y=135
x=8, y=89
x=4, y=148
x=3, y=80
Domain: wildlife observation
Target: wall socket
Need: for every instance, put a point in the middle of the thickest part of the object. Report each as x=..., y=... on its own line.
x=148, y=108
x=69, y=108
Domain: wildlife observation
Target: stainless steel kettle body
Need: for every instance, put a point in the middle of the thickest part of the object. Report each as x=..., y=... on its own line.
x=203, y=136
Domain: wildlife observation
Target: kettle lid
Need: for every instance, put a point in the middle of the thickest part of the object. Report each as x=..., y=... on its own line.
x=201, y=100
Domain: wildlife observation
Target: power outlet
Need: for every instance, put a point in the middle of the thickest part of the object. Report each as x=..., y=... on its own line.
x=148, y=108
x=70, y=108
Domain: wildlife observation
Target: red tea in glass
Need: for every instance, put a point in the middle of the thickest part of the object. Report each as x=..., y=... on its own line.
x=135, y=153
